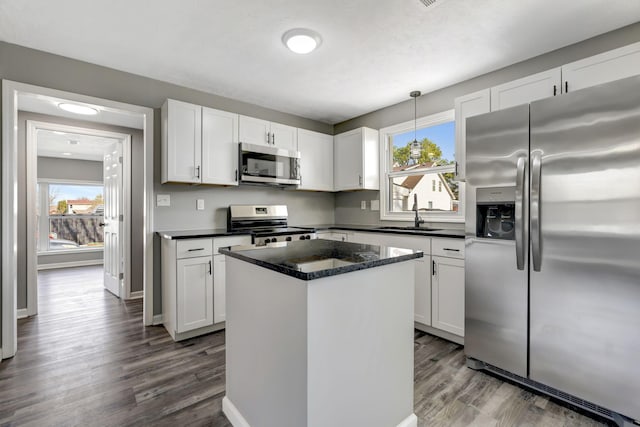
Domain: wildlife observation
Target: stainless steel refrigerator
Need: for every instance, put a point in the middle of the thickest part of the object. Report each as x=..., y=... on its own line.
x=552, y=265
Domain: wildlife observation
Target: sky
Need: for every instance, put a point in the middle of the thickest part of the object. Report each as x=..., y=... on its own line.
x=74, y=192
x=443, y=135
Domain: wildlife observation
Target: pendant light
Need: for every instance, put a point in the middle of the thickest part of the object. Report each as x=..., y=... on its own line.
x=415, y=147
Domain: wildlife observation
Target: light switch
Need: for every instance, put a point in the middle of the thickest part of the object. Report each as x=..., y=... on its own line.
x=375, y=205
x=363, y=205
x=200, y=204
x=163, y=200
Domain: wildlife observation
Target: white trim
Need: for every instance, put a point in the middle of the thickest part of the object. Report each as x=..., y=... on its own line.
x=10, y=92
x=136, y=295
x=71, y=251
x=22, y=313
x=410, y=421
x=9, y=217
x=69, y=264
x=233, y=415
x=68, y=181
x=157, y=320
x=385, y=133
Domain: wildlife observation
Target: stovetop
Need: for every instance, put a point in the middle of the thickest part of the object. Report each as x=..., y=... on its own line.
x=277, y=231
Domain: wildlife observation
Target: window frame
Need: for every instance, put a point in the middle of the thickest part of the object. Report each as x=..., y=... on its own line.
x=386, y=162
x=43, y=226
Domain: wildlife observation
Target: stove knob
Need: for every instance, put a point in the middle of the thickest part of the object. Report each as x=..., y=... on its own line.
x=301, y=237
x=288, y=239
x=307, y=237
x=274, y=240
x=267, y=240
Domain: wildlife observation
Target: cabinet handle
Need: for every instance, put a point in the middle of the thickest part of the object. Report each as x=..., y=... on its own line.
x=456, y=170
x=210, y=268
x=268, y=137
x=566, y=86
x=236, y=174
x=197, y=171
x=273, y=138
x=555, y=90
x=194, y=250
x=449, y=249
x=360, y=180
x=433, y=265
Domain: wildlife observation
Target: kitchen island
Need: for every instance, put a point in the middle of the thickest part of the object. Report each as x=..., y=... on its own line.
x=319, y=333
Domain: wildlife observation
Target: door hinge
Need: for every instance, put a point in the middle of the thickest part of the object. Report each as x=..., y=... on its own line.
x=120, y=159
x=121, y=276
x=121, y=218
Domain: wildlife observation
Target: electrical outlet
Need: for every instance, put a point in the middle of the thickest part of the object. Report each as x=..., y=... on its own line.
x=163, y=200
x=363, y=205
x=200, y=204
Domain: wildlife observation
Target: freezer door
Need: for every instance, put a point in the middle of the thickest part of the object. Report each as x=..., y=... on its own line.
x=496, y=250
x=585, y=244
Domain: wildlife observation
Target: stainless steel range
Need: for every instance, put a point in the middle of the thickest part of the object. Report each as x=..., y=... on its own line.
x=267, y=224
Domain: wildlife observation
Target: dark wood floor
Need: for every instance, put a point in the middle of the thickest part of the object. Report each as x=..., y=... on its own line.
x=86, y=360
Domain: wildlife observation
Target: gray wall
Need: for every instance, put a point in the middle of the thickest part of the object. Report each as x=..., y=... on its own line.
x=71, y=169
x=47, y=166
x=348, y=204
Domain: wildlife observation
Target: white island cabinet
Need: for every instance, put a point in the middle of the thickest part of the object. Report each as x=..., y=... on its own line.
x=320, y=333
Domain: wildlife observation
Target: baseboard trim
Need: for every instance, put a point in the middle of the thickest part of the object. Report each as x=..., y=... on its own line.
x=157, y=319
x=136, y=295
x=69, y=264
x=439, y=333
x=22, y=313
x=410, y=421
x=233, y=415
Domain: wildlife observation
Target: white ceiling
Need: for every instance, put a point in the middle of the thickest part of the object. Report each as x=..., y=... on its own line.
x=82, y=146
x=374, y=52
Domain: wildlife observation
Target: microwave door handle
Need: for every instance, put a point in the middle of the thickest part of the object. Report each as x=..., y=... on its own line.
x=519, y=214
x=536, y=170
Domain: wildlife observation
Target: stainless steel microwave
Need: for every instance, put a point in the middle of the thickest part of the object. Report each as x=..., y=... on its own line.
x=269, y=165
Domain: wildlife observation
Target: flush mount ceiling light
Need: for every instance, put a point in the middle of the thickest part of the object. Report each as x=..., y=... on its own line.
x=78, y=109
x=301, y=40
x=66, y=154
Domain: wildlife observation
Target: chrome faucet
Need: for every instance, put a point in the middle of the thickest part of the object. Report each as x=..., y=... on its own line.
x=417, y=221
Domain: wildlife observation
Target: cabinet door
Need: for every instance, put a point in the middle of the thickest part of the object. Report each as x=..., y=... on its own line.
x=219, y=289
x=525, y=90
x=195, y=293
x=219, y=147
x=606, y=67
x=348, y=163
x=182, y=142
x=254, y=131
x=316, y=160
x=370, y=159
x=448, y=294
x=332, y=235
x=468, y=106
x=283, y=136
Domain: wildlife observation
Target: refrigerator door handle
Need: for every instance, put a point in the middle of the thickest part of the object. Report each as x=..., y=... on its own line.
x=519, y=217
x=536, y=169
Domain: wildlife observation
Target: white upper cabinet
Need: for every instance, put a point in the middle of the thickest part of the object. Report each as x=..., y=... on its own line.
x=606, y=67
x=181, y=142
x=356, y=160
x=263, y=132
x=316, y=160
x=468, y=106
x=199, y=144
x=526, y=89
x=219, y=147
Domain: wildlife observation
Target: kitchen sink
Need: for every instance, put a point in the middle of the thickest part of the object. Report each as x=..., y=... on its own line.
x=408, y=228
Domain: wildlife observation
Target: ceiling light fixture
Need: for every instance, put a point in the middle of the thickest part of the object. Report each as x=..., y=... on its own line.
x=57, y=132
x=415, y=145
x=66, y=154
x=301, y=40
x=73, y=142
x=78, y=109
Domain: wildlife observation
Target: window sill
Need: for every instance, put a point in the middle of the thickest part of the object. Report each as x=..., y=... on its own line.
x=70, y=251
x=426, y=218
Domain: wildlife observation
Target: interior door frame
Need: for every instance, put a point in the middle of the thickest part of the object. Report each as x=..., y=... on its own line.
x=33, y=126
x=10, y=93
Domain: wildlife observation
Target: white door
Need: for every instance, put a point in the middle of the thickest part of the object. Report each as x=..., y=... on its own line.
x=113, y=219
x=254, y=131
x=283, y=136
x=316, y=160
x=525, y=90
x=448, y=295
x=183, y=142
x=219, y=147
x=194, y=293
x=348, y=162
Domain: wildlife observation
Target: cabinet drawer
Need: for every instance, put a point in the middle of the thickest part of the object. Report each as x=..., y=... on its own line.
x=452, y=248
x=223, y=242
x=192, y=248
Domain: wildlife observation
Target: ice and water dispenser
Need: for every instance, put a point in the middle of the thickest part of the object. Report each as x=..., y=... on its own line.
x=495, y=213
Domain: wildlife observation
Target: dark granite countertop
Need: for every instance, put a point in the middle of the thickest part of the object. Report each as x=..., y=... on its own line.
x=194, y=234
x=423, y=231
x=314, y=259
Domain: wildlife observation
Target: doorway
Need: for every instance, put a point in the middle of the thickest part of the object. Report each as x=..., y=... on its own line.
x=78, y=204
x=19, y=96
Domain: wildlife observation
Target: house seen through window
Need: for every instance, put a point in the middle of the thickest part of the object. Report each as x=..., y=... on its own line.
x=70, y=216
x=429, y=177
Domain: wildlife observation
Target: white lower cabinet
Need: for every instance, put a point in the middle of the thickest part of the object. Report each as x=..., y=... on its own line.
x=194, y=288
x=193, y=284
x=333, y=235
x=447, y=296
